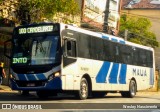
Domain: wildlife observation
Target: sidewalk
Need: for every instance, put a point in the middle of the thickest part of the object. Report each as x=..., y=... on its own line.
x=5, y=88
x=148, y=92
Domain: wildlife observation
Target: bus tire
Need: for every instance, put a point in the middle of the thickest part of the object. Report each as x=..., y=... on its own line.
x=83, y=92
x=132, y=90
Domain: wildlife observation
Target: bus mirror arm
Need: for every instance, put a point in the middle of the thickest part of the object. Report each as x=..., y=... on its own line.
x=65, y=54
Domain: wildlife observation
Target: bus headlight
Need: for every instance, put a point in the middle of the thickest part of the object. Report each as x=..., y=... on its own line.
x=56, y=74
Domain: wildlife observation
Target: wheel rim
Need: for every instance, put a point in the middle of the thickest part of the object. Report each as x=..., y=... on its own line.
x=133, y=89
x=84, y=89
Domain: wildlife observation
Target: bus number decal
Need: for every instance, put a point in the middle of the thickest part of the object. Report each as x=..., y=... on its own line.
x=22, y=30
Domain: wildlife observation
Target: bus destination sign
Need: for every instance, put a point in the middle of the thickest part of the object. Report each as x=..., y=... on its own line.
x=38, y=29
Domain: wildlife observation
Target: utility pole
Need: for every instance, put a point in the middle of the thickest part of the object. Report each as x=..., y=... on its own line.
x=106, y=16
x=125, y=34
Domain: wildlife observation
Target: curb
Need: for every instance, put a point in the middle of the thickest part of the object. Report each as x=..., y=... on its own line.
x=5, y=88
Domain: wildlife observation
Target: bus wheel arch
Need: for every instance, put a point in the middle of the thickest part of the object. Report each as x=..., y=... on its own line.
x=85, y=87
x=88, y=78
x=135, y=82
x=132, y=89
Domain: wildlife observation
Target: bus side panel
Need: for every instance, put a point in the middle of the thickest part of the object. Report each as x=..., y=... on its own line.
x=101, y=74
x=73, y=73
x=112, y=76
x=98, y=75
x=68, y=74
x=141, y=75
x=120, y=77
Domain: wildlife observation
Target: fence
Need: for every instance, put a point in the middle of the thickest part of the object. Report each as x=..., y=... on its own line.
x=159, y=81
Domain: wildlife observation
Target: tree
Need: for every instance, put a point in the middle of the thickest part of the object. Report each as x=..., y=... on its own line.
x=36, y=10
x=138, y=30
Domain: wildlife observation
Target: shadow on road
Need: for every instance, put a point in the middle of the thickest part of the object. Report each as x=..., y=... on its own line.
x=16, y=96
x=9, y=96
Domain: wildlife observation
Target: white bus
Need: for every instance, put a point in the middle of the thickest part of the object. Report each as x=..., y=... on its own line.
x=53, y=57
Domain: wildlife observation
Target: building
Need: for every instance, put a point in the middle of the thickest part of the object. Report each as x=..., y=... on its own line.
x=93, y=14
x=149, y=9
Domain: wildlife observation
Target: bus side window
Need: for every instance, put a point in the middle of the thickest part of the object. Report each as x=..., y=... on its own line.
x=143, y=58
x=71, y=48
x=149, y=59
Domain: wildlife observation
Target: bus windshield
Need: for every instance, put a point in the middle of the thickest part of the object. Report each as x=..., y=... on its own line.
x=40, y=50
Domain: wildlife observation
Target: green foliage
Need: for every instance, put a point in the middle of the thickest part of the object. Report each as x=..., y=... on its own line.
x=1, y=1
x=37, y=10
x=138, y=28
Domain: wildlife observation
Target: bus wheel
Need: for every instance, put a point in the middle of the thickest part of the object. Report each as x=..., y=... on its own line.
x=132, y=90
x=83, y=92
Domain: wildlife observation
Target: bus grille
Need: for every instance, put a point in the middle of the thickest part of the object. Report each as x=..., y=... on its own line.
x=30, y=84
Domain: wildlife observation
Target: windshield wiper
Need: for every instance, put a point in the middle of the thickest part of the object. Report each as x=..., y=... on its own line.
x=36, y=48
x=40, y=47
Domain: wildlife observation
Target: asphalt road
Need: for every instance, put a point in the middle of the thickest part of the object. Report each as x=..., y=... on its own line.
x=111, y=102
x=141, y=97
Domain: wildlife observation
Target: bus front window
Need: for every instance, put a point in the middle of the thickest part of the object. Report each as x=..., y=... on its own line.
x=44, y=51
x=36, y=50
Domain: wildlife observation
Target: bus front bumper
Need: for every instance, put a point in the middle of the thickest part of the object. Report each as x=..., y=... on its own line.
x=54, y=84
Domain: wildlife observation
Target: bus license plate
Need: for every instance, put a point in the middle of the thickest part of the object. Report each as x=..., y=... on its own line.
x=30, y=85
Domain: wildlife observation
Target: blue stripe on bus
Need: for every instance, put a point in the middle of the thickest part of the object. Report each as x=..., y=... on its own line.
x=31, y=77
x=114, y=73
x=41, y=76
x=122, y=42
x=114, y=40
x=105, y=37
x=122, y=75
x=21, y=77
x=102, y=74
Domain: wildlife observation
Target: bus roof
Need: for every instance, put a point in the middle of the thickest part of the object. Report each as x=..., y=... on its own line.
x=107, y=36
x=96, y=34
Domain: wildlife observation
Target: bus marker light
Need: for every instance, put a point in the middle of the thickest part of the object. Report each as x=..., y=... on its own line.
x=57, y=74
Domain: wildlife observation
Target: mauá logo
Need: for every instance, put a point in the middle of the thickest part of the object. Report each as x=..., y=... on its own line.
x=139, y=72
